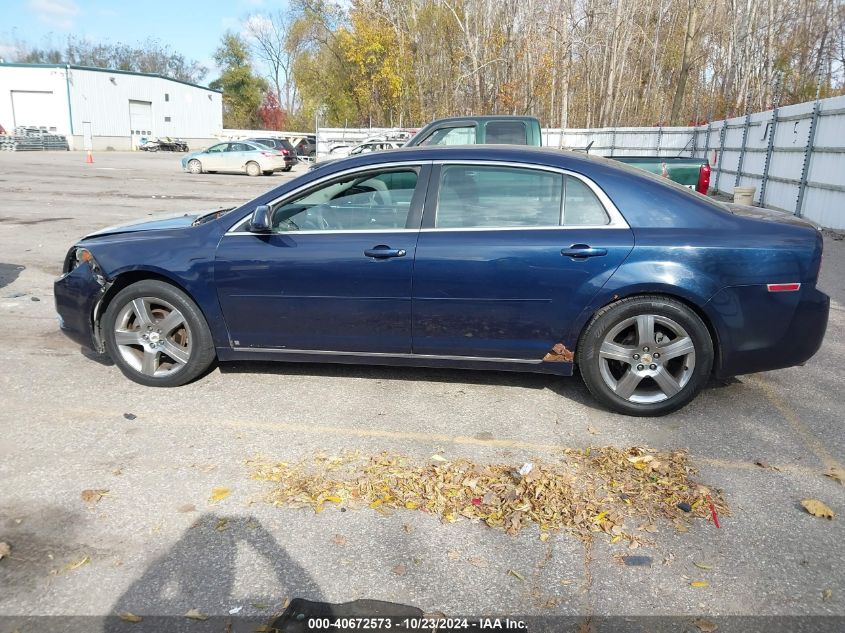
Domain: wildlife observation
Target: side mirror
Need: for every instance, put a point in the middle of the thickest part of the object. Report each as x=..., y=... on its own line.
x=262, y=220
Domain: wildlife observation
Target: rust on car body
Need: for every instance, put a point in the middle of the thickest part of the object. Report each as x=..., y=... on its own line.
x=559, y=354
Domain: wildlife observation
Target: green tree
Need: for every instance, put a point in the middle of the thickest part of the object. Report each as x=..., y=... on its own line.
x=243, y=90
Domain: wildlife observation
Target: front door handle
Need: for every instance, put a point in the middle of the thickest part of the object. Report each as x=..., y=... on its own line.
x=383, y=252
x=582, y=251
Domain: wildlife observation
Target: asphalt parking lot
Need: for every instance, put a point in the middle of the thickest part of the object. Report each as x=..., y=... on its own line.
x=69, y=423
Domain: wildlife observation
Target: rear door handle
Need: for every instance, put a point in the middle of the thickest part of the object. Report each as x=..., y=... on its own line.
x=383, y=252
x=582, y=251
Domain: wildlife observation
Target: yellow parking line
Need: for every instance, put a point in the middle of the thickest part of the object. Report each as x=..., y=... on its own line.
x=813, y=443
x=432, y=438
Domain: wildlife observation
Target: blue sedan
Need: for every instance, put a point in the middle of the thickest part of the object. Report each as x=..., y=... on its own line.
x=482, y=257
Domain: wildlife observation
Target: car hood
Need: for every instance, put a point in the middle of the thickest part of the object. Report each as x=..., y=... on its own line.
x=162, y=224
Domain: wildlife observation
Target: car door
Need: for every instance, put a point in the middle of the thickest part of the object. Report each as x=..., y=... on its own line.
x=212, y=158
x=236, y=156
x=508, y=257
x=335, y=273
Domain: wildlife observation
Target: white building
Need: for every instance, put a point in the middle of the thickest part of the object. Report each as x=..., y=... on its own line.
x=107, y=109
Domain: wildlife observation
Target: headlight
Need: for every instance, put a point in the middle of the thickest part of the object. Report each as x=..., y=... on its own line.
x=82, y=256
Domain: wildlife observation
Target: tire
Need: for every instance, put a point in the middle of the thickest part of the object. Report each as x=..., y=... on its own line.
x=253, y=169
x=157, y=335
x=268, y=173
x=288, y=168
x=624, y=355
x=194, y=166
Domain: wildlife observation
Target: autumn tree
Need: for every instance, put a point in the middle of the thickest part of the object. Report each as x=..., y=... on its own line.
x=243, y=90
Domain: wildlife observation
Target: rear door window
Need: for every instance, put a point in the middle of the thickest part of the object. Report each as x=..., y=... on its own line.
x=506, y=132
x=472, y=196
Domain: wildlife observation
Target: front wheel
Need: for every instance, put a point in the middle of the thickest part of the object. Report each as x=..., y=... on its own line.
x=645, y=356
x=194, y=166
x=157, y=335
x=253, y=169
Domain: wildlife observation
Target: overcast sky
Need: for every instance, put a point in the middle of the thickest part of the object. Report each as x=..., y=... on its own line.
x=192, y=28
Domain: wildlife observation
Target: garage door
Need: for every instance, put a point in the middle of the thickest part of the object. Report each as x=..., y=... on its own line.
x=140, y=120
x=34, y=109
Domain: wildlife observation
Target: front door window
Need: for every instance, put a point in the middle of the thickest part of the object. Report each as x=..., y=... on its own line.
x=373, y=201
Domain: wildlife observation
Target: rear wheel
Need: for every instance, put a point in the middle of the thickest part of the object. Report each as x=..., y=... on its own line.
x=157, y=335
x=253, y=169
x=288, y=168
x=645, y=356
x=194, y=166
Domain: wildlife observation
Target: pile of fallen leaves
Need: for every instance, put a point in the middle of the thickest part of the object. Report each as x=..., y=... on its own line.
x=607, y=490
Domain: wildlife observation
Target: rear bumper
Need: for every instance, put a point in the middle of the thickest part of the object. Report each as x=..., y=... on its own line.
x=76, y=294
x=761, y=331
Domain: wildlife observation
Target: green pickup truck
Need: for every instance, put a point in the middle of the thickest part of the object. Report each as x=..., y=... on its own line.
x=525, y=130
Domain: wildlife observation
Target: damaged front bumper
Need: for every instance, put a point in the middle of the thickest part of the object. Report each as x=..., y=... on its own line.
x=78, y=295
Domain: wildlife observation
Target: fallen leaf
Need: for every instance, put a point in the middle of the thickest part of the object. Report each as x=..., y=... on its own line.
x=5, y=550
x=407, y=528
x=516, y=574
x=196, y=614
x=93, y=496
x=762, y=463
x=817, y=508
x=544, y=536
x=339, y=539
x=836, y=473
x=264, y=628
x=218, y=494
x=188, y=507
x=130, y=416
x=477, y=561
x=222, y=524
x=259, y=605
x=438, y=458
x=703, y=566
x=453, y=554
x=705, y=626
x=592, y=431
x=77, y=564
x=286, y=602
x=827, y=594
x=126, y=616
x=400, y=570
x=698, y=584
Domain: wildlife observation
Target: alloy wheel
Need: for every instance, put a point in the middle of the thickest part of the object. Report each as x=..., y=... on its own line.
x=153, y=337
x=647, y=358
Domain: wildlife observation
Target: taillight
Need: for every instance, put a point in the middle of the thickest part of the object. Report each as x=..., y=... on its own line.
x=285, y=152
x=703, y=179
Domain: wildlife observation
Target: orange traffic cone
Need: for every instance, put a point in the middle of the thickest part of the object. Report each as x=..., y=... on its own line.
x=90, y=157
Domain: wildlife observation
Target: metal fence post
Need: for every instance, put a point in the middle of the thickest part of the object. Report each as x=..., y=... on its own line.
x=659, y=137
x=744, y=140
x=722, y=134
x=612, y=141
x=808, y=154
x=773, y=124
x=707, y=141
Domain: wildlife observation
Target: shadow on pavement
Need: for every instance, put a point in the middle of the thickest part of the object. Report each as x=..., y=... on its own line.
x=221, y=563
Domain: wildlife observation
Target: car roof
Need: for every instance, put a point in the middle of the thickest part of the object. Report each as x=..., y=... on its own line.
x=482, y=119
x=510, y=153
